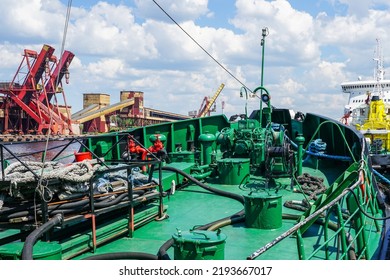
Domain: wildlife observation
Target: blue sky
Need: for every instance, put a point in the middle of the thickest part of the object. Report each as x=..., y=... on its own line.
x=312, y=47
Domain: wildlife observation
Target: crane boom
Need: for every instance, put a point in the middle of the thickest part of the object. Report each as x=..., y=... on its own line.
x=205, y=108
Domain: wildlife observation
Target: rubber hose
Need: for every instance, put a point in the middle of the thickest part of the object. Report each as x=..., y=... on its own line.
x=238, y=197
x=65, y=209
x=17, y=212
x=162, y=252
x=238, y=215
x=27, y=252
x=226, y=222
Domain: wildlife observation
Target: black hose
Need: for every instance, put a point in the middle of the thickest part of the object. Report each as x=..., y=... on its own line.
x=238, y=197
x=116, y=200
x=123, y=256
x=69, y=207
x=236, y=218
x=162, y=252
x=27, y=253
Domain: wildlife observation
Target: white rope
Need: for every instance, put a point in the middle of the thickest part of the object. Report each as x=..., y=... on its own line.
x=77, y=172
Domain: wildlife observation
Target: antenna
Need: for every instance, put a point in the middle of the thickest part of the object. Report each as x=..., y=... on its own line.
x=379, y=70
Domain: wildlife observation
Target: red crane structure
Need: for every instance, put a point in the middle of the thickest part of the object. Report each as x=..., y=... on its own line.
x=27, y=103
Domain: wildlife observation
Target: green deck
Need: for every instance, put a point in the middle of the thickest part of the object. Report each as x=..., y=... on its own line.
x=244, y=158
x=193, y=206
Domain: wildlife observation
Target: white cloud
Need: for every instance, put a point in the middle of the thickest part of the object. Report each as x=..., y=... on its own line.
x=31, y=20
x=291, y=31
x=118, y=47
x=183, y=10
x=328, y=74
x=109, y=30
x=106, y=68
x=360, y=8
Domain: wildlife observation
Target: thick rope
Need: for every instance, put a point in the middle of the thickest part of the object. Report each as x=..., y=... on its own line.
x=77, y=172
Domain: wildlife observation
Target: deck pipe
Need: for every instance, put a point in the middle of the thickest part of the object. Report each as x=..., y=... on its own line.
x=202, y=175
x=27, y=252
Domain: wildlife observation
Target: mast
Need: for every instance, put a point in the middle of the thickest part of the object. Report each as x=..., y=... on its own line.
x=379, y=70
x=264, y=33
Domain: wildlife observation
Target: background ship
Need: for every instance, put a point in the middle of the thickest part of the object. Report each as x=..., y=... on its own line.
x=368, y=110
x=362, y=91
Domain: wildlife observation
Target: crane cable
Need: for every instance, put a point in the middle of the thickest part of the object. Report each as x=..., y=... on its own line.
x=40, y=186
x=223, y=67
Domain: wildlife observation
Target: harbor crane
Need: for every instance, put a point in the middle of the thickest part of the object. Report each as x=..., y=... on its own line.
x=207, y=103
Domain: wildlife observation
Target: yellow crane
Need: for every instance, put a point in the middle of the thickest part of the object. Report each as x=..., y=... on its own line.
x=207, y=103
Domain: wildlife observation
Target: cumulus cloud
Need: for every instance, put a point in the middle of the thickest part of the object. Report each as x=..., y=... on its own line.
x=291, y=31
x=124, y=47
x=31, y=20
x=184, y=10
x=360, y=8
x=110, y=30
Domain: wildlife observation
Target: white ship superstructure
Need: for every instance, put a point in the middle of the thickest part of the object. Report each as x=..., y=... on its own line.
x=361, y=91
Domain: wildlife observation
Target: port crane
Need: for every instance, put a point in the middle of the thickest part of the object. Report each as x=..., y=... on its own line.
x=27, y=101
x=205, y=107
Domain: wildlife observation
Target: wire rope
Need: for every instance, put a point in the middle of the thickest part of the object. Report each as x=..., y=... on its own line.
x=202, y=48
x=40, y=186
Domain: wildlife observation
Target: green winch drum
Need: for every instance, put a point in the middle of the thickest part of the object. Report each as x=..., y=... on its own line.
x=233, y=171
x=263, y=210
x=199, y=245
x=41, y=251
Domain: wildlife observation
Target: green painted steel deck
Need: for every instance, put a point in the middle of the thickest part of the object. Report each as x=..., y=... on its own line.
x=193, y=206
x=249, y=183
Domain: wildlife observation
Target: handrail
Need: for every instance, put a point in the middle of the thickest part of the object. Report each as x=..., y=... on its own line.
x=295, y=228
x=355, y=221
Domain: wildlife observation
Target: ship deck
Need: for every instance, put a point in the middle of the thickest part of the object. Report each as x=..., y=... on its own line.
x=193, y=206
